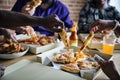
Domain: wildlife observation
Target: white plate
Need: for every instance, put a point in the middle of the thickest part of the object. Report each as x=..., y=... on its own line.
x=15, y=55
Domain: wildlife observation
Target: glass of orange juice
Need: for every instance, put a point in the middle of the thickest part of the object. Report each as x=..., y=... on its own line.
x=108, y=45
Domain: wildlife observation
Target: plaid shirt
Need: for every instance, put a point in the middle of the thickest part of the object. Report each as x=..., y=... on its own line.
x=89, y=14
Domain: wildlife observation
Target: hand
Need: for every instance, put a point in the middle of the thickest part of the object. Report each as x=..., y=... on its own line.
x=28, y=10
x=9, y=34
x=21, y=29
x=2, y=68
x=53, y=23
x=30, y=31
x=109, y=69
x=101, y=25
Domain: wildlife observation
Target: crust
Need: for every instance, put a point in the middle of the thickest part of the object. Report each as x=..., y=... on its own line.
x=73, y=69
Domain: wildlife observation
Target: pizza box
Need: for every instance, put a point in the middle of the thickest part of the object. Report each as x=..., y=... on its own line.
x=29, y=70
x=36, y=49
x=95, y=44
x=46, y=59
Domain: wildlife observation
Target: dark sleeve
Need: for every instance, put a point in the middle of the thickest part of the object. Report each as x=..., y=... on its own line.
x=117, y=14
x=83, y=25
x=12, y=19
x=19, y=4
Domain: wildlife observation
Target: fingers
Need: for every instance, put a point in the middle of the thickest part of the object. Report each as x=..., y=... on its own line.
x=11, y=35
x=2, y=68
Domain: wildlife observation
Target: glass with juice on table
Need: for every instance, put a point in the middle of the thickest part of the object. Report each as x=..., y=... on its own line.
x=109, y=43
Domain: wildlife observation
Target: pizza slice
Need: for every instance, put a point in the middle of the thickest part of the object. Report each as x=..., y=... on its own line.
x=71, y=67
x=63, y=36
x=63, y=58
x=34, y=3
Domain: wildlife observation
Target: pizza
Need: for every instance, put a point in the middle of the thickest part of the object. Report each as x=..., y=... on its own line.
x=64, y=58
x=34, y=3
x=63, y=36
x=87, y=65
x=39, y=40
x=71, y=67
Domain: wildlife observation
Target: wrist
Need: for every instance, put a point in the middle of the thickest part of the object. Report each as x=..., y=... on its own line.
x=116, y=23
x=2, y=30
x=117, y=30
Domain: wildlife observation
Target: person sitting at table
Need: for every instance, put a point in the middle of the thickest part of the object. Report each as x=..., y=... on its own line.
x=11, y=19
x=101, y=25
x=47, y=7
x=108, y=67
x=94, y=10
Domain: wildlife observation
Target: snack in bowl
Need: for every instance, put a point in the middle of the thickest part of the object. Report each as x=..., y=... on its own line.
x=10, y=49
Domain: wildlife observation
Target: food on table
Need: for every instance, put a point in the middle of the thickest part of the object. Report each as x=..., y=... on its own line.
x=34, y=3
x=85, y=62
x=63, y=36
x=85, y=43
x=87, y=65
x=71, y=67
x=64, y=57
x=9, y=47
x=39, y=40
x=31, y=32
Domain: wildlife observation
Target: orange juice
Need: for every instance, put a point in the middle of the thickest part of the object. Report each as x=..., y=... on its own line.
x=108, y=49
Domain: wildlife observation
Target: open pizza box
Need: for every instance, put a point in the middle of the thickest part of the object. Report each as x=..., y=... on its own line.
x=95, y=44
x=46, y=58
x=29, y=70
x=36, y=49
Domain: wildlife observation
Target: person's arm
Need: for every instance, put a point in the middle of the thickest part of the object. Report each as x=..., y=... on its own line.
x=19, y=4
x=101, y=25
x=13, y=19
x=109, y=69
x=9, y=18
x=8, y=34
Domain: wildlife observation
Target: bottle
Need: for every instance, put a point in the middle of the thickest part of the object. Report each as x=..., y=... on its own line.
x=73, y=37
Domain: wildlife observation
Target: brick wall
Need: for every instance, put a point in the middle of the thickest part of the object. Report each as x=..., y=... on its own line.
x=73, y=5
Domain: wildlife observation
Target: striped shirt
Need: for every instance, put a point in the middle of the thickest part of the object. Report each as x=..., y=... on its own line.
x=89, y=14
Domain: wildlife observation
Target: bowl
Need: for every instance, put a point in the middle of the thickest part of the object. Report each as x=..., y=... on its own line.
x=15, y=55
